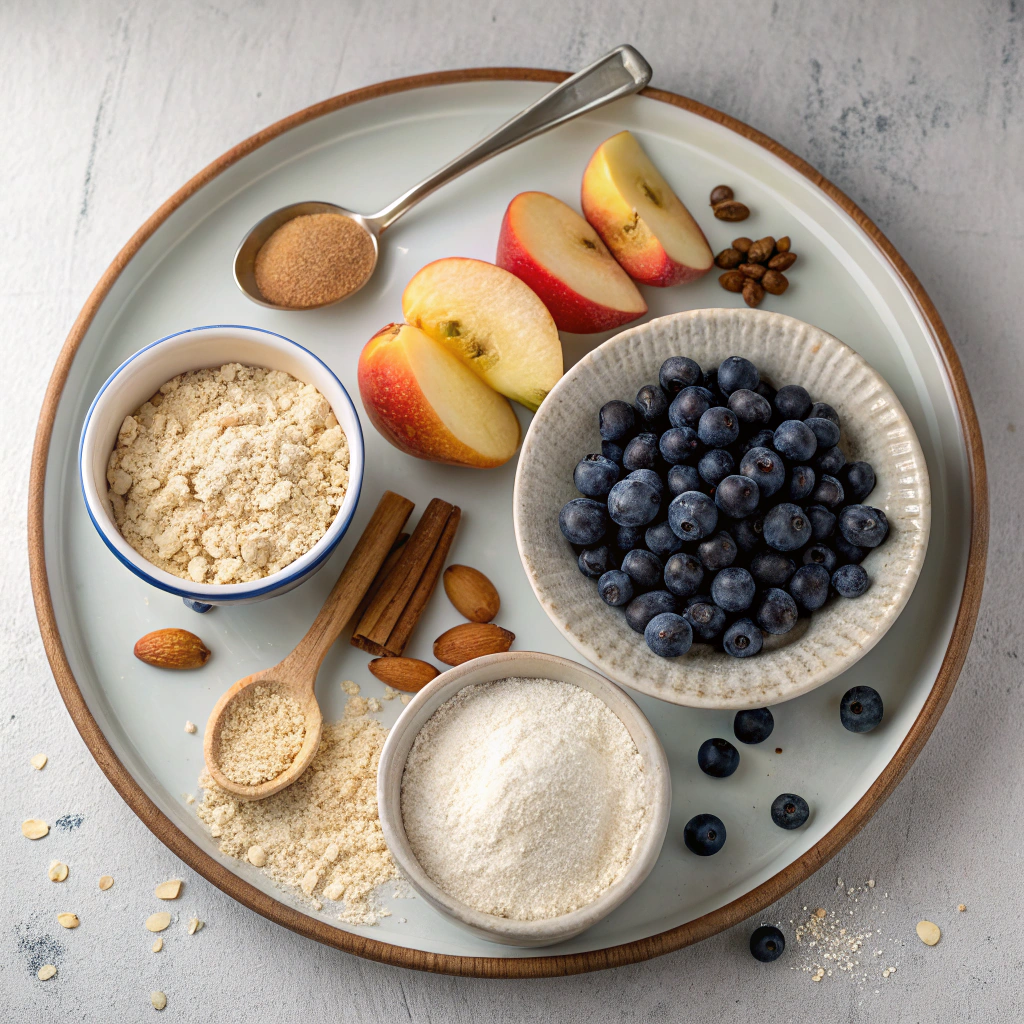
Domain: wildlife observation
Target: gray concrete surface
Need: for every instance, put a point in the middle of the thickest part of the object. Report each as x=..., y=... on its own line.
x=913, y=109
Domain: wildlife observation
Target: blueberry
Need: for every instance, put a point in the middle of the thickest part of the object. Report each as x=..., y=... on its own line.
x=678, y=372
x=704, y=834
x=748, y=533
x=762, y=439
x=711, y=384
x=742, y=640
x=651, y=406
x=858, y=480
x=716, y=465
x=617, y=421
x=718, y=427
x=801, y=483
x=794, y=440
x=771, y=569
x=640, y=453
x=823, y=522
x=822, y=410
x=733, y=589
x=583, y=521
x=737, y=496
x=860, y=710
x=629, y=537
x=777, y=613
x=610, y=450
x=633, y=503
x=809, y=587
x=847, y=552
x=765, y=468
x=688, y=406
x=820, y=554
x=685, y=478
x=642, y=609
x=767, y=943
x=863, y=526
x=718, y=758
x=707, y=619
x=828, y=491
x=718, y=552
x=644, y=568
x=594, y=476
x=786, y=527
x=649, y=477
x=735, y=373
x=750, y=408
x=683, y=574
x=668, y=635
x=789, y=810
x=850, y=580
x=824, y=430
x=661, y=540
x=692, y=515
x=766, y=391
x=792, y=402
x=754, y=725
x=678, y=444
x=595, y=562
x=615, y=588
x=829, y=460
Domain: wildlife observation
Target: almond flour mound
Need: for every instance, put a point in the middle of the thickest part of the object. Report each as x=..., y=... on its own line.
x=321, y=835
x=261, y=735
x=228, y=475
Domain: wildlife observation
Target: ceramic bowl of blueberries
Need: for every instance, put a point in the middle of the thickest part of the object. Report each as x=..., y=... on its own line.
x=723, y=508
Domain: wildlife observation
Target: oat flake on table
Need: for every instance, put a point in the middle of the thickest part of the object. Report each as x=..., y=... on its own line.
x=228, y=475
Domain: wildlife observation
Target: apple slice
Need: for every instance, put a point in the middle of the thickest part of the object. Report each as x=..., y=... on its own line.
x=640, y=218
x=562, y=258
x=426, y=402
x=492, y=321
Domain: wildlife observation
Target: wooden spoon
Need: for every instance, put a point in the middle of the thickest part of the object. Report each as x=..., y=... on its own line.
x=296, y=675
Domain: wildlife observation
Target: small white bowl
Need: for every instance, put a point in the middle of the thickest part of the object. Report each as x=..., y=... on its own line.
x=875, y=429
x=530, y=665
x=139, y=376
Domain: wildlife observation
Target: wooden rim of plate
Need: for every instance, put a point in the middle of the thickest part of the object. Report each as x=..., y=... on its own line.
x=732, y=913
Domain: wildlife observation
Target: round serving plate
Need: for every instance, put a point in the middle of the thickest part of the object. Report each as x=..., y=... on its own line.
x=175, y=273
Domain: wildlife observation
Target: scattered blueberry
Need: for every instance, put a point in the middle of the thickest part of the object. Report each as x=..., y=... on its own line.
x=640, y=453
x=754, y=725
x=714, y=466
x=786, y=527
x=610, y=450
x=860, y=710
x=822, y=410
x=858, y=480
x=718, y=552
x=684, y=478
x=678, y=372
x=668, y=635
x=617, y=421
x=683, y=574
x=688, y=406
x=801, y=483
x=829, y=460
x=735, y=373
x=737, y=496
x=777, y=613
x=828, y=492
x=772, y=568
x=661, y=540
x=583, y=521
x=644, y=568
x=767, y=943
x=820, y=554
x=615, y=588
x=704, y=834
x=632, y=503
x=742, y=639
x=863, y=526
x=850, y=580
x=595, y=562
x=718, y=427
x=750, y=408
x=642, y=609
x=794, y=440
x=678, y=444
x=706, y=619
x=809, y=587
x=718, y=758
x=765, y=468
x=692, y=515
x=792, y=402
x=594, y=476
x=651, y=406
x=649, y=477
x=824, y=430
x=823, y=522
x=789, y=810
x=733, y=589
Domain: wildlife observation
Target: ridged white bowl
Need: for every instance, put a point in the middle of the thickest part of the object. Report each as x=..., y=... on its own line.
x=875, y=429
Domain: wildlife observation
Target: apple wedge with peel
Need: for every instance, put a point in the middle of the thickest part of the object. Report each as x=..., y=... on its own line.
x=428, y=403
x=640, y=218
x=550, y=247
x=491, y=321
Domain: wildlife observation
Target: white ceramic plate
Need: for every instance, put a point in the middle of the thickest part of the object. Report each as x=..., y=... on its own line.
x=177, y=273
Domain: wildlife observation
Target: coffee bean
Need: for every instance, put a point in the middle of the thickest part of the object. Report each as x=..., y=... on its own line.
x=782, y=261
x=782, y=245
x=731, y=210
x=761, y=250
x=742, y=244
x=754, y=270
x=720, y=193
x=729, y=258
x=774, y=282
x=753, y=293
x=733, y=281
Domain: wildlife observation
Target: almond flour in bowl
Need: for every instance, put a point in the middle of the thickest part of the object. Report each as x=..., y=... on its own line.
x=227, y=475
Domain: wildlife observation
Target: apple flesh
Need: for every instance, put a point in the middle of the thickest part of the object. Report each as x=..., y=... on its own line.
x=428, y=403
x=494, y=323
x=550, y=247
x=640, y=218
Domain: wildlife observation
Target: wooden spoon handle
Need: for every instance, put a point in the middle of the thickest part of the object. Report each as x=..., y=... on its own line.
x=362, y=566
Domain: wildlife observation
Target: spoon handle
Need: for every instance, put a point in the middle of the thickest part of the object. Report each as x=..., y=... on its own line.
x=362, y=566
x=616, y=74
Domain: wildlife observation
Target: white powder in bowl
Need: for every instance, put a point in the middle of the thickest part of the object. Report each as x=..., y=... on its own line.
x=524, y=798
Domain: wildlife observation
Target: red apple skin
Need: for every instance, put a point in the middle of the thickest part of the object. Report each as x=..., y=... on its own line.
x=571, y=311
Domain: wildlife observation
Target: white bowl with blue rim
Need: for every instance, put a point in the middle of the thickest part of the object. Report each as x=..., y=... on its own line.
x=140, y=376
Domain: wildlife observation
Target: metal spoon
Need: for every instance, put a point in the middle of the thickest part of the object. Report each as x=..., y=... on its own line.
x=617, y=74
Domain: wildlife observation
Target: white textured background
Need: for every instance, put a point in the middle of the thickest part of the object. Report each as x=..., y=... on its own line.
x=913, y=109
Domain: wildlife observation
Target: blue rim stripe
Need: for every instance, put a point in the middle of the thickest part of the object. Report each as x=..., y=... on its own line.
x=251, y=594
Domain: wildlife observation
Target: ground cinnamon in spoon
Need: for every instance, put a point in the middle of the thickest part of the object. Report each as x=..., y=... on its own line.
x=314, y=259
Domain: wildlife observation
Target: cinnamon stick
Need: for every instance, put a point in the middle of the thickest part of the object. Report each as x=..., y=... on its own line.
x=389, y=563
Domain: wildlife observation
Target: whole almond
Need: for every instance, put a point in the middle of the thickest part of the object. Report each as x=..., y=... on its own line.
x=172, y=648
x=729, y=258
x=732, y=281
x=753, y=293
x=782, y=245
x=761, y=250
x=742, y=244
x=409, y=674
x=720, y=193
x=471, y=592
x=754, y=270
x=731, y=210
x=782, y=261
x=471, y=640
x=774, y=282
